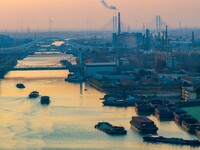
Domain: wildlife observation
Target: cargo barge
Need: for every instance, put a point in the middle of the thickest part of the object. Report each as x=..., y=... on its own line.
x=119, y=103
x=163, y=113
x=110, y=129
x=156, y=104
x=142, y=106
x=191, y=125
x=144, y=124
x=180, y=115
x=161, y=139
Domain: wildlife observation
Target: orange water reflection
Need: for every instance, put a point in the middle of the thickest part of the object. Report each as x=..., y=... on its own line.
x=68, y=122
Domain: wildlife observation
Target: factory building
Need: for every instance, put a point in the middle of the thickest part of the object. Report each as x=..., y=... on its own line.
x=91, y=69
x=126, y=39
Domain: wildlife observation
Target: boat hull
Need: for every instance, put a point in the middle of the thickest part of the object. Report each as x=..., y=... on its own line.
x=110, y=129
x=191, y=128
x=180, y=141
x=144, y=130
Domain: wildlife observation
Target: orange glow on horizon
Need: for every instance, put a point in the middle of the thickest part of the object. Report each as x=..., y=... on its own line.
x=73, y=14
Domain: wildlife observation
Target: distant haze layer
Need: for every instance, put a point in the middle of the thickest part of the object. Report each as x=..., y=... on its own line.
x=95, y=14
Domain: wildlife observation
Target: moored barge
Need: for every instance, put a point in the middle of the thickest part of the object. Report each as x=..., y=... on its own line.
x=191, y=125
x=143, y=106
x=163, y=113
x=156, y=104
x=180, y=115
x=118, y=103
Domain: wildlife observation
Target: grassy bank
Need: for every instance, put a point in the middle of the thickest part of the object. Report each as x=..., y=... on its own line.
x=194, y=111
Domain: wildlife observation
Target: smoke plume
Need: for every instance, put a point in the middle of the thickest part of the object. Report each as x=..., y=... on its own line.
x=108, y=6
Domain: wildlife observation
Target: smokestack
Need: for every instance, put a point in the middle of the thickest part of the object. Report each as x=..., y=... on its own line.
x=119, y=24
x=158, y=23
x=166, y=36
x=179, y=25
x=113, y=23
x=193, y=42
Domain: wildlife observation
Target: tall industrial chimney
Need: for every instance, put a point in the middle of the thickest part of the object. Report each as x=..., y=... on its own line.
x=119, y=24
x=166, y=36
x=158, y=23
x=193, y=42
x=113, y=24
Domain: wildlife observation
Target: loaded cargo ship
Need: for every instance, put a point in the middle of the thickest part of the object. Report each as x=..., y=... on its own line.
x=110, y=129
x=144, y=124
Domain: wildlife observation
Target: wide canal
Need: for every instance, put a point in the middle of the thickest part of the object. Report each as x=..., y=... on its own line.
x=68, y=122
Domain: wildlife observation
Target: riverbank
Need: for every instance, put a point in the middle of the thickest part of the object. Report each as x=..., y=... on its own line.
x=7, y=62
x=189, y=103
x=145, y=91
x=95, y=85
x=109, y=86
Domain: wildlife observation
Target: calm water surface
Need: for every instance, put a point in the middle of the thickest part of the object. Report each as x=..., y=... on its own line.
x=68, y=122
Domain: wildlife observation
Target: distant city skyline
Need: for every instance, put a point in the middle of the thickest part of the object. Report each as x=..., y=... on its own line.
x=29, y=15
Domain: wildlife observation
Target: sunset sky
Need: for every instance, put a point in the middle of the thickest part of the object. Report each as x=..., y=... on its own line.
x=79, y=14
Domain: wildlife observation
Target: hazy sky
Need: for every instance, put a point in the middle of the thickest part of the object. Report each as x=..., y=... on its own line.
x=79, y=14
